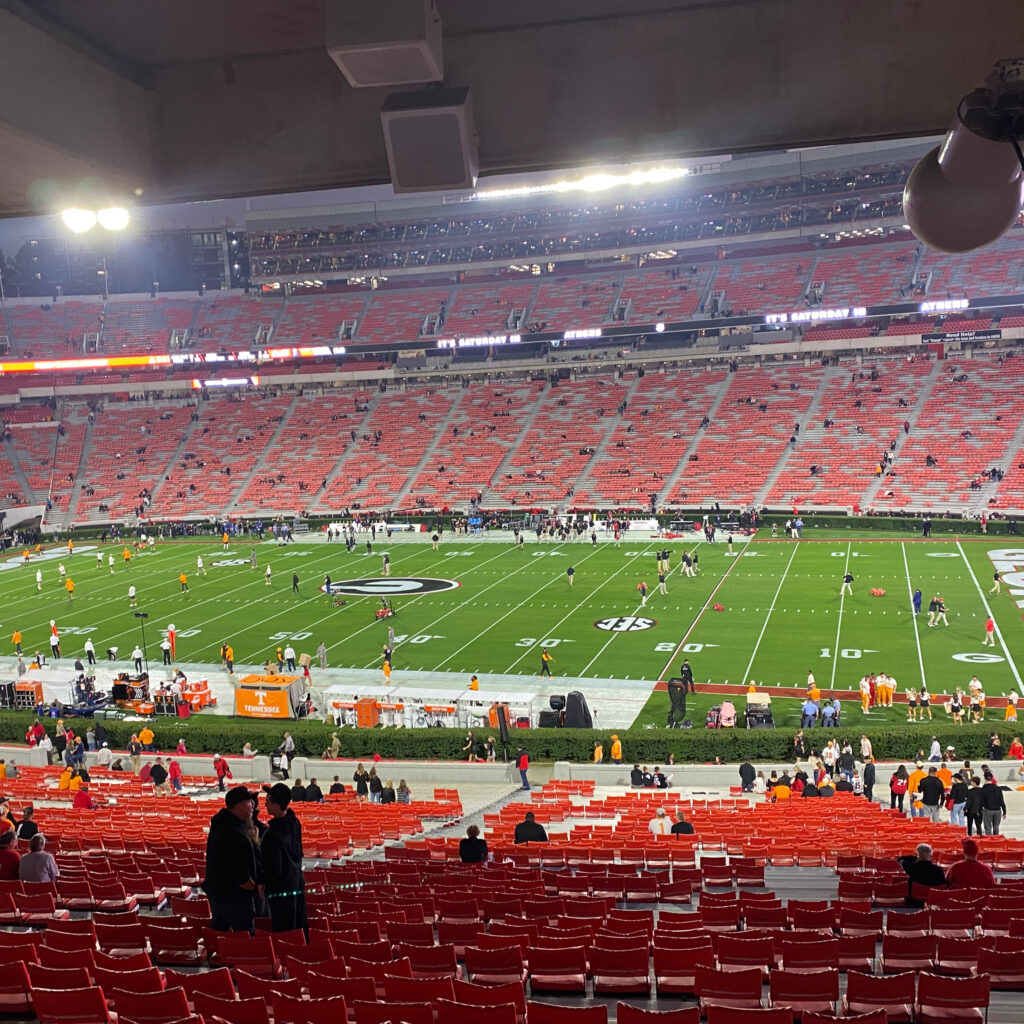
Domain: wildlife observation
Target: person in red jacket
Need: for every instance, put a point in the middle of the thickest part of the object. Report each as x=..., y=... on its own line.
x=970, y=873
x=174, y=775
x=1016, y=751
x=82, y=799
x=523, y=763
x=222, y=771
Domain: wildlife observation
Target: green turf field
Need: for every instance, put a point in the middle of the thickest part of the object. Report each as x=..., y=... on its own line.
x=782, y=616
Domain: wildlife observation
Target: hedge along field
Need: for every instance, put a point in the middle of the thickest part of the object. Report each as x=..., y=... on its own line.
x=650, y=746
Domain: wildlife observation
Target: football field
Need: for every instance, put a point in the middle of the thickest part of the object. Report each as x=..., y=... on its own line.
x=488, y=607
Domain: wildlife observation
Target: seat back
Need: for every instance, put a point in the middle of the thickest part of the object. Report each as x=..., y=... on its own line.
x=549, y=1013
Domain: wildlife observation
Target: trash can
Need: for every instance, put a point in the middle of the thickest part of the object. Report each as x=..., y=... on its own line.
x=184, y=709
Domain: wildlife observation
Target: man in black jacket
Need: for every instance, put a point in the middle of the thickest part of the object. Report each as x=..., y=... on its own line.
x=972, y=807
x=993, y=806
x=869, y=777
x=232, y=872
x=281, y=851
x=636, y=777
x=314, y=794
x=747, y=776
x=529, y=831
x=932, y=793
x=921, y=870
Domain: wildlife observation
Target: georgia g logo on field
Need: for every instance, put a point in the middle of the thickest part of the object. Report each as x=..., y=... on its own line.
x=391, y=585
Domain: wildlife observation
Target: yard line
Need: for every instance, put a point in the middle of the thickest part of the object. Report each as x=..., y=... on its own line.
x=771, y=608
x=913, y=618
x=605, y=645
x=988, y=612
x=704, y=608
x=640, y=554
x=430, y=625
x=839, y=624
x=514, y=608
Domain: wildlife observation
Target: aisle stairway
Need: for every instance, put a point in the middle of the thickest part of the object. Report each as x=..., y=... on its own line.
x=810, y=430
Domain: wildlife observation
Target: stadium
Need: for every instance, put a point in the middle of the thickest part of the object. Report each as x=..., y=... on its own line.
x=470, y=474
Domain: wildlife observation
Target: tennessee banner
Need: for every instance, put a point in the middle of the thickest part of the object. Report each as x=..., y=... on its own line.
x=262, y=703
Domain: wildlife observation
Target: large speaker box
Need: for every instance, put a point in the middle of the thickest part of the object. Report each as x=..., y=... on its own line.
x=549, y=720
x=431, y=140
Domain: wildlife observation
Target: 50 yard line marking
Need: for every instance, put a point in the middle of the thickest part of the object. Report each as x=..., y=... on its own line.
x=988, y=612
x=778, y=590
x=913, y=618
x=839, y=624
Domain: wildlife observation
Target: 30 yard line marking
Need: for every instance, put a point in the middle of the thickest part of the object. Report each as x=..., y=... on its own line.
x=839, y=624
x=550, y=631
x=988, y=612
x=514, y=608
x=913, y=618
x=771, y=608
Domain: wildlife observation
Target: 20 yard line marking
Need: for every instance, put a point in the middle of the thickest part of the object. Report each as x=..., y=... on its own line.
x=913, y=618
x=988, y=612
x=771, y=608
x=839, y=624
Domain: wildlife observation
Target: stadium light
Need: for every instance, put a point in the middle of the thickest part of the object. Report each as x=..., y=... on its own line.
x=114, y=218
x=78, y=220
x=967, y=192
x=588, y=183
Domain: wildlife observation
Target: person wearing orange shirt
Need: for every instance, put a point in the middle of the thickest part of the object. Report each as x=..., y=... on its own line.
x=229, y=659
x=127, y=556
x=64, y=782
x=183, y=580
x=16, y=640
x=912, y=784
x=616, y=750
x=69, y=586
x=945, y=775
x=224, y=540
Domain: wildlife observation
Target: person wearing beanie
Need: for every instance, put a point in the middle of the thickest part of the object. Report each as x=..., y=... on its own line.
x=232, y=871
x=281, y=852
x=970, y=873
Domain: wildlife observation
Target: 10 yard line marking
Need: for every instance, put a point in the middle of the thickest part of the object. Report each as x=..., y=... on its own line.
x=839, y=624
x=988, y=612
x=778, y=590
x=913, y=618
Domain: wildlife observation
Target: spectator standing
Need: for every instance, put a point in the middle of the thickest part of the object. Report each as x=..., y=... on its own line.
x=362, y=780
x=403, y=795
x=898, y=785
x=993, y=806
x=222, y=771
x=932, y=793
x=958, y=799
x=972, y=806
x=869, y=777
x=232, y=871
x=376, y=786
x=523, y=764
x=174, y=775
x=135, y=754
x=281, y=857
x=747, y=776
x=158, y=776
